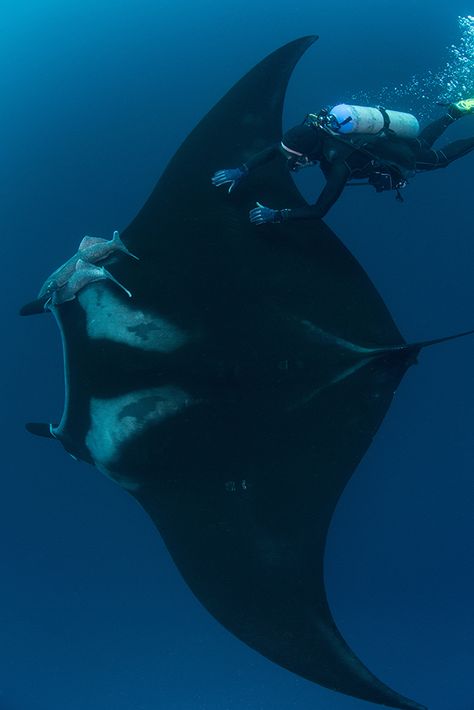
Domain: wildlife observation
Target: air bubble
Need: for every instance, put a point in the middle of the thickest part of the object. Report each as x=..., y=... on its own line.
x=452, y=81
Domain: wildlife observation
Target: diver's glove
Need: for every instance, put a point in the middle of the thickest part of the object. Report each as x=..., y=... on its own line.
x=262, y=215
x=232, y=175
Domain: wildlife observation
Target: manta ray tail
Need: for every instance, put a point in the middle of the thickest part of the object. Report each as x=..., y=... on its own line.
x=413, y=349
x=435, y=341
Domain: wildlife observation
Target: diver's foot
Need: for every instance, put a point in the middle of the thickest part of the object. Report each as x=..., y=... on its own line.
x=461, y=108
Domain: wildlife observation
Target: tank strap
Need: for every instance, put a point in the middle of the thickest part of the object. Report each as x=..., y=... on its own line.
x=386, y=120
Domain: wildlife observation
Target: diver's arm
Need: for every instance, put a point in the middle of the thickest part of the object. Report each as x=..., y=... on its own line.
x=336, y=180
x=264, y=157
x=233, y=176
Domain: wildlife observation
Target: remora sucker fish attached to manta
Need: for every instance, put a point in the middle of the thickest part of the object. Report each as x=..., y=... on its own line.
x=84, y=274
x=251, y=371
x=91, y=250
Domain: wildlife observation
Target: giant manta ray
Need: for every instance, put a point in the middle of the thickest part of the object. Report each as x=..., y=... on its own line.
x=237, y=390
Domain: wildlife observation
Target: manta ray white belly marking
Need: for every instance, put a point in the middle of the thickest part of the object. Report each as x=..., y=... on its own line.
x=121, y=322
x=116, y=422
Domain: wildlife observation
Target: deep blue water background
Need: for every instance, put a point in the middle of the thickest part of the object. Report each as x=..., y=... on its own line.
x=96, y=97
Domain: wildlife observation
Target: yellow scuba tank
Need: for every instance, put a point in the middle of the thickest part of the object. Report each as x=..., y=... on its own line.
x=347, y=119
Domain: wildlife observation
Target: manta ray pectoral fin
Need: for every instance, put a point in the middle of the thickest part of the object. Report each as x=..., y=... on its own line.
x=121, y=246
x=40, y=429
x=35, y=307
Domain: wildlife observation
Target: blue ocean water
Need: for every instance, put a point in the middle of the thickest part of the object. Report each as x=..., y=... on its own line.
x=97, y=96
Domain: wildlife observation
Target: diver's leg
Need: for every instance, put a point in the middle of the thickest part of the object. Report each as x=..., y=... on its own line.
x=433, y=131
x=457, y=149
x=431, y=159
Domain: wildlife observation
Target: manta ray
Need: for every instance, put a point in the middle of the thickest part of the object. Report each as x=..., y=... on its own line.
x=236, y=391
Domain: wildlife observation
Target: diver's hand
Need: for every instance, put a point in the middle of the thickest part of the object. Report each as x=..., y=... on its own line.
x=261, y=215
x=229, y=175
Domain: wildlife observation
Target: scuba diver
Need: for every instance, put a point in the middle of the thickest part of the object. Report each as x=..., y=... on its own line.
x=355, y=143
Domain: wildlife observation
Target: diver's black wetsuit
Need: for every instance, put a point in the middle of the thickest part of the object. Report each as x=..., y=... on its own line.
x=359, y=157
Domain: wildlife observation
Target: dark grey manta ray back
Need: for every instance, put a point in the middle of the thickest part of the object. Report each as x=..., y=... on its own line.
x=235, y=393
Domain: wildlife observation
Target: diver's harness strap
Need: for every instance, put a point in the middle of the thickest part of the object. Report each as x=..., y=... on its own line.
x=386, y=121
x=385, y=176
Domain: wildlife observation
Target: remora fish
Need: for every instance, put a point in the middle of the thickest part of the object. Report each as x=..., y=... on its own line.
x=84, y=275
x=91, y=249
x=100, y=250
